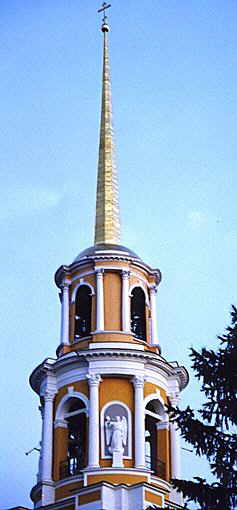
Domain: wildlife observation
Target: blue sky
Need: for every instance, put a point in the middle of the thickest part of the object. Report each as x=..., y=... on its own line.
x=175, y=111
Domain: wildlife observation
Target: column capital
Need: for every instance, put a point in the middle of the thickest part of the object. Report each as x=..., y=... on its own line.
x=153, y=289
x=94, y=379
x=174, y=398
x=162, y=425
x=138, y=381
x=65, y=285
x=99, y=272
x=125, y=274
x=60, y=423
x=49, y=395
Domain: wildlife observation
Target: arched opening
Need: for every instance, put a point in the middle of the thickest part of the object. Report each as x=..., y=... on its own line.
x=83, y=312
x=138, y=313
x=154, y=414
x=76, y=419
x=150, y=443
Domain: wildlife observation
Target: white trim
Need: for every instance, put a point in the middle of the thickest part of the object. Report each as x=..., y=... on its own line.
x=60, y=412
x=113, y=268
x=80, y=284
x=129, y=414
x=112, y=331
x=140, y=285
x=156, y=396
x=116, y=345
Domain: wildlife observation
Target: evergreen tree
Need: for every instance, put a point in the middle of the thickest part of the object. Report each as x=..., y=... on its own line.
x=213, y=432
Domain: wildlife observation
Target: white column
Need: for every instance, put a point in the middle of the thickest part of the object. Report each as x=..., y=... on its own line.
x=65, y=314
x=154, y=331
x=47, y=437
x=175, y=451
x=125, y=302
x=99, y=300
x=39, y=474
x=138, y=382
x=93, y=440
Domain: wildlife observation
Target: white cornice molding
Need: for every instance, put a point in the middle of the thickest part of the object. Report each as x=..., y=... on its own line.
x=69, y=270
x=177, y=374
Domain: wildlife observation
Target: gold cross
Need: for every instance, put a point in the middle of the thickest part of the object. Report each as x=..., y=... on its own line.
x=103, y=9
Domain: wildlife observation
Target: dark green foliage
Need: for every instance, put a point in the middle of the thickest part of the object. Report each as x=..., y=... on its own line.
x=214, y=434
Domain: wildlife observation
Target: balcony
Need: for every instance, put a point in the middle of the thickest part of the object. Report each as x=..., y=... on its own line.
x=156, y=465
x=71, y=467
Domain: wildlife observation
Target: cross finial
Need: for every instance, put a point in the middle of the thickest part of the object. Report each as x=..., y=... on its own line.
x=103, y=9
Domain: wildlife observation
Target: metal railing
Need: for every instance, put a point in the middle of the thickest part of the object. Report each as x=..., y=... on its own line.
x=71, y=467
x=156, y=465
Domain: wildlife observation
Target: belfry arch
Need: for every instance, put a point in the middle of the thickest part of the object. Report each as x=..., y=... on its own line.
x=138, y=313
x=71, y=415
x=83, y=309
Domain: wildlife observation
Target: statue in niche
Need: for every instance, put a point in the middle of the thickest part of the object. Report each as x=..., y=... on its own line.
x=116, y=431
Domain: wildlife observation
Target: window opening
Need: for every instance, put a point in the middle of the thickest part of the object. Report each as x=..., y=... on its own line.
x=151, y=443
x=138, y=313
x=76, y=419
x=83, y=312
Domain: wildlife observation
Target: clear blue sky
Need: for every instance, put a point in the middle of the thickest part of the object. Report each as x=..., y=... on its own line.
x=175, y=113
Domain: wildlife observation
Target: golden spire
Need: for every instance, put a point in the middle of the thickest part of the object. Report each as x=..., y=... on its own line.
x=107, y=225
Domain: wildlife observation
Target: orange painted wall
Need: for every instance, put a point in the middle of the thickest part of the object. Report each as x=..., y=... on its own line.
x=112, y=299
x=150, y=388
x=60, y=450
x=153, y=498
x=163, y=453
x=116, y=389
x=116, y=479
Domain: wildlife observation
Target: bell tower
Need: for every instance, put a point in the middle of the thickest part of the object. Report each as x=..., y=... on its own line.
x=106, y=437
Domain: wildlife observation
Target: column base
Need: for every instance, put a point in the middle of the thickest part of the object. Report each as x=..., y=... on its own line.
x=47, y=494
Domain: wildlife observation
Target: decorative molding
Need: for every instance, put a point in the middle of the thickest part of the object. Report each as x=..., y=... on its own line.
x=60, y=423
x=150, y=359
x=80, y=284
x=141, y=285
x=61, y=411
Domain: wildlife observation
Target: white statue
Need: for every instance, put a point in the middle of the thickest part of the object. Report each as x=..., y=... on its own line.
x=116, y=432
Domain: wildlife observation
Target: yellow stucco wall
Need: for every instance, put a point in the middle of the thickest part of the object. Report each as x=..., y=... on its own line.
x=116, y=389
x=112, y=300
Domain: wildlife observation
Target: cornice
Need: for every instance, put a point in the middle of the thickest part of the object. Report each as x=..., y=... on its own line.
x=67, y=270
x=83, y=358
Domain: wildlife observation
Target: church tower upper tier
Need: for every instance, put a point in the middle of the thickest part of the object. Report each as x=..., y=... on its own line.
x=108, y=293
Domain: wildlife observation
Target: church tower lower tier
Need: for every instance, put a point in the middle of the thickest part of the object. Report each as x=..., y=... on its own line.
x=107, y=442
x=106, y=437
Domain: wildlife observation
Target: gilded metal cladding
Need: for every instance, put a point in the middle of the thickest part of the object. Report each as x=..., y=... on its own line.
x=107, y=227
